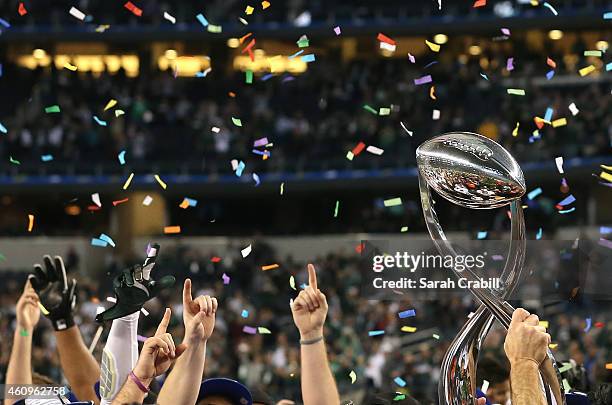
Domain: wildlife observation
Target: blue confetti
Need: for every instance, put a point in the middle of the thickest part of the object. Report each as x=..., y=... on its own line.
x=3, y=129
x=202, y=20
x=482, y=235
x=551, y=8
x=261, y=152
x=121, y=157
x=608, y=67
x=607, y=15
x=399, y=381
x=407, y=313
x=5, y=23
x=567, y=211
x=588, y=325
x=267, y=77
x=308, y=58
x=539, y=234
x=534, y=193
x=298, y=53
x=605, y=230
x=550, y=75
x=107, y=239
x=484, y=76
x=245, y=313
x=567, y=200
x=191, y=202
x=376, y=332
x=46, y=158
x=99, y=121
x=430, y=64
x=549, y=114
x=98, y=242
x=256, y=178
x=240, y=168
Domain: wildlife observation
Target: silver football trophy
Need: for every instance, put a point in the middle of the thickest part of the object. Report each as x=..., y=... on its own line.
x=473, y=171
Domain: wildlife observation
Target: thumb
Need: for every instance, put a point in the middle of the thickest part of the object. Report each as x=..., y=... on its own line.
x=198, y=318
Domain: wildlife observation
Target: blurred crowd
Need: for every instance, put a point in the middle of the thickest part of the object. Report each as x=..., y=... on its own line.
x=261, y=299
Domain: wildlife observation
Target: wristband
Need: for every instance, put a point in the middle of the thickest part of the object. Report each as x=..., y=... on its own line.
x=311, y=341
x=138, y=383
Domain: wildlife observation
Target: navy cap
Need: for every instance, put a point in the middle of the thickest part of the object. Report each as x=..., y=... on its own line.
x=227, y=388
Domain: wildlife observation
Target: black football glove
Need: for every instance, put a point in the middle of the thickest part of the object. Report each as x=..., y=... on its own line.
x=57, y=294
x=134, y=286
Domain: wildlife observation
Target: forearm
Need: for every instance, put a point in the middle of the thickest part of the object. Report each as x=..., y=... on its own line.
x=19, y=369
x=79, y=366
x=525, y=384
x=318, y=384
x=183, y=384
x=130, y=393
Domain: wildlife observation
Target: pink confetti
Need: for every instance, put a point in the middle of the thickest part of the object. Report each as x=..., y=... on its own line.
x=260, y=142
x=422, y=80
x=226, y=279
x=250, y=330
x=510, y=64
x=505, y=31
x=337, y=31
x=411, y=58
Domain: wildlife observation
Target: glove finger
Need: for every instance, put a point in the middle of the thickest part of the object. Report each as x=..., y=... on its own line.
x=50, y=269
x=72, y=294
x=115, y=312
x=39, y=278
x=162, y=284
x=60, y=269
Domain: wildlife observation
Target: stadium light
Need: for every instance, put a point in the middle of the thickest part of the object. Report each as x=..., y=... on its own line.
x=474, y=50
x=233, y=42
x=39, y=53
x=440, y=39
x=170, y=54
x=555, y=34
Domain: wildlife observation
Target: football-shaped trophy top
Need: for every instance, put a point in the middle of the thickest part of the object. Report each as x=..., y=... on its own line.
x=470, y=170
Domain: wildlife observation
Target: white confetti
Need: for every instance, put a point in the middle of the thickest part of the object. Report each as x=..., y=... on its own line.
x=574, y=109
x=76, y=13
x=435, y=115
x=406, y=129
x=485, y=387
x=169, y=18
x=147, y=200
x=388, y=47
x=353, y=376
x=215, y=129
x=559, y=163
x=111, y=299
x=246, y=251
x=144, y=312
x=95, y=197
x=374, y=150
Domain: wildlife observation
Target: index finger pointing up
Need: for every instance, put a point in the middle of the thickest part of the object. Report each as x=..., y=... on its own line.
x=163, y=325
x=187, y=298
x=312, y=276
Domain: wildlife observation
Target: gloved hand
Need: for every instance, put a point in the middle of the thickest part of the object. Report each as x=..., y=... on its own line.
x=134, y=286
x=57, y=294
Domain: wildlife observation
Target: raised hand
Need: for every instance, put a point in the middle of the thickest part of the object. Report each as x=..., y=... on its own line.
x=198, y=315
x=27, y=309
x=57, y=295
x=526, y=340
x=158, y=352
x=309, y=309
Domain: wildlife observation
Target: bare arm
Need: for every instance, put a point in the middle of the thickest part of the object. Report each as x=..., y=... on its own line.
x=20, y=363
x=309, y=312
x=183, y=384
x=79, y=366
x=524, y=381
x=131, y=393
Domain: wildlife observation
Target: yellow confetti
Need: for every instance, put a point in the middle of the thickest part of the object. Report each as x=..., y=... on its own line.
x=586, y=70
x=608, y=366
x=353, y=376
x=172, y=229
x=70, y=67
x=515, y=130
x=43, y=309
x=265, y=4
x=553, y=345
x=185, y=204
x=249, y=10
x=432, y=46
x=119, y=112
x=544, y=324
x=128, y=181
x=111, y=103
x=292, y=283
x=160, y=181
x=606, y=176
x=559, y=123
x=263, y=331
x=432, y=90
x=31, y=222
x=409, y=329
x=606, y=167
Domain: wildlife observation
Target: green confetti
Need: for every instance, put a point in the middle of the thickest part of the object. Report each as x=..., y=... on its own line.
x=303, y=43
x=336, y=210
x=566, y=386
x=566, y=367
x=249, y=76
x=435, y=336
x=52, y=109
x=17, y=162
x=392, y=202
x=263, y=331
x=214, y=28
x=237, y=121
x=399, y=397
x=516, y=92
x=384, y=111
x=353, y=376
x=370, y=109
x=592, y=53
x=292, y=283
x=350, y=155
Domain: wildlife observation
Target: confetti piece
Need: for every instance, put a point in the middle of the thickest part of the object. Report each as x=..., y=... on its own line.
x=505, y=31
x=607, y=16
x=567, y=211
x=592, y=53
x=117, y=202
x=70, y=67
x=121, y=157
x=551, y=8
x=99, y=121
x=292, y=283
x=338, y=31
x=559, y=163
x=408, y=329
x=107, y=239
x=202, y=19
x=559, y=122
x=265, y=4
x=434, y=47
x=169, y=17
x=160, y=181
x=399, y=381
x=586, y=70
x=353, y=376
x=432, y=90
x=270, y=267
x=608, y=67
x=308, y=58
x=548, y=115
x=400, y=397
x=606, y=176
x=43, y=309
x=256, y=179
x=422, y=80
x=485, y=386
x=303, y=43
x=3, y=129
x=95, y=197
x=374, y=150
x=128, y=181
x=404, y=229
x=482, y=235
x=244, y=313
x=226, y=280
x=250, y=330
x=76, y=13
x=246, y=251
x=370, y=109
x=481, y=75
x=46, y=158
x=551, y=63
x=14, y=161
x=435, y=336
x=111, y=103
x=135, y=10
x=539, y=234
x=392, y=202
x=358, y=149
x=98, y=242
x=263, y=331
x=376, y=332
x=409, y=132
x=215, y=259
x=239, y=168
x=30, y=222
x=407, y=313
x=435, y=115
x=609, y=365
x=383, y=38
x=282, y=188
x=480, y=3
x=172, y=229
x=22, y=10
x=588, y=325
x=336, y=209
x=249, y=10
x=5, y=23
x=52, y=109
x=411, y=58
x=147, y=200
x=534, y=193
x=119, y=112
x=567, y=200
x=237, y=122
x=510, y=64
x=384, y=111
x=550, y=75
x=517, y=92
